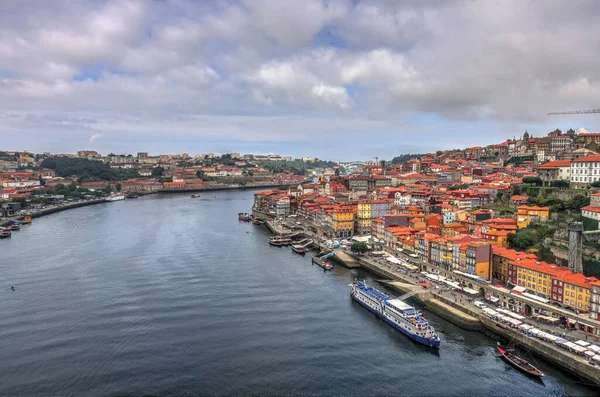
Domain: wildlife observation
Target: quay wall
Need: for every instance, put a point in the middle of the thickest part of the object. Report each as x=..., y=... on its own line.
x=553, y=354
x=48, y=211
x=216, y=188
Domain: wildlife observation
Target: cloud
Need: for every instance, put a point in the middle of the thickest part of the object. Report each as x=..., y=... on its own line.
x=95, y=137
x=196, y=69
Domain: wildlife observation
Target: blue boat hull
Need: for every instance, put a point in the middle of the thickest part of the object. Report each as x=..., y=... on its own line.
x=416, y=338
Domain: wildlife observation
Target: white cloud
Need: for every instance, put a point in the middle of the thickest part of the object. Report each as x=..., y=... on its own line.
x=160, y=63
x=95, y=137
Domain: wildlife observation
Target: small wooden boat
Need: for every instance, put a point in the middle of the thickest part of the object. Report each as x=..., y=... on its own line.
x=195, y=195
x=26, y=220
x=15, y=227
x=519, y=363
x=4, y=233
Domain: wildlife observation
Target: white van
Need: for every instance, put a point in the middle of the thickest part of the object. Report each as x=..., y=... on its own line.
x=480, y=304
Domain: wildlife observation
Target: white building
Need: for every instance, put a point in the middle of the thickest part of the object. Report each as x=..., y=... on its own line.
x=585, y=171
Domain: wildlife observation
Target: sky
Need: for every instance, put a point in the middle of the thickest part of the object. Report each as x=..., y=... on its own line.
x=334, y=79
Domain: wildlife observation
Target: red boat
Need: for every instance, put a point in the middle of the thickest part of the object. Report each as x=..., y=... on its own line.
x=519, y=363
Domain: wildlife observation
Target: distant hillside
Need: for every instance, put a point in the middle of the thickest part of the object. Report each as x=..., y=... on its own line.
x=84, y=169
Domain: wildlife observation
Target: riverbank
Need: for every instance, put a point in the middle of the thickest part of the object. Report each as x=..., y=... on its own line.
x=51, y=210
x=459, y=310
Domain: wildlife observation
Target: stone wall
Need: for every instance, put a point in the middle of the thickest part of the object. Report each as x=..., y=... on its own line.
x=554, y=354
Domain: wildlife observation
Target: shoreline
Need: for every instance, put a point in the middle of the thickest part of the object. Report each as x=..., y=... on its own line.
x=63, y=207
x=467, y=318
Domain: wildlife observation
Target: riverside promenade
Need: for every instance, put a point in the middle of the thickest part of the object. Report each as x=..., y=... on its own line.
x=51, y=209
x=459, y=308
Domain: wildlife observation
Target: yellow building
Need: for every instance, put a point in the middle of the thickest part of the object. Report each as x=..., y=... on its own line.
x=527, y=215
x=363, y=217
x=533, y=275
x=343, y=221
x=572, y=289
x=501, y=257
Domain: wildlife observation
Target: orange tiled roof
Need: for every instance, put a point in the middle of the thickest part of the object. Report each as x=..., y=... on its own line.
x=555, y=164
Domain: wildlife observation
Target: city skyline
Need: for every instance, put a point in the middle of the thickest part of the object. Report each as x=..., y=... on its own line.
x=363, y=78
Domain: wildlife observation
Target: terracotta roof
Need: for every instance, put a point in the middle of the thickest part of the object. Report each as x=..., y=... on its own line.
x=591, y=208
x=556, y=164
x=592, y=158
x=519, y=198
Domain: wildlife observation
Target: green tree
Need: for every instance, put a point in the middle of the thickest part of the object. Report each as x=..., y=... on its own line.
x=577, y=202
x=359, y=247
x=499, y=196
x=157, y=172
x=524, y=241
x=532, y=180
x=200, y=174
x=118, y=187
x=563, y=184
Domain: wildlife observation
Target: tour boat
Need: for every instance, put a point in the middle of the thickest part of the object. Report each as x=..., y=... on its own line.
x=519, y=363
x=397, y=313
x=115, y=197
x=4, y=233
x=26, y=220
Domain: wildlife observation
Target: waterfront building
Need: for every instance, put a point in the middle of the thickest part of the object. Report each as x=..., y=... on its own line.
x=529, y=214
x=573, y=290
x=595, y=300
x=478, y=259
x=367, y=211
x=343, y=221
x=501, y=257
x=534, y=275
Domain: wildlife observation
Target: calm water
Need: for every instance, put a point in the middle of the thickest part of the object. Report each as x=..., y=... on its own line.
x=171, y=295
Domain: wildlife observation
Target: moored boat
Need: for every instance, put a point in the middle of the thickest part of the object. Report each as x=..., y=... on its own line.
x=322, y=263
x=15, y=227
x=26, y=220
x=243, y=216
x=397, y=313
x=299, y=249
x=132, y=196
x=4, y=233
x=519, y=363
x=194, y=195
x=276, y=241
x=115, y=197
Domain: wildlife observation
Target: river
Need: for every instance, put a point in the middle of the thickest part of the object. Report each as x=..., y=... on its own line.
x=172, y=295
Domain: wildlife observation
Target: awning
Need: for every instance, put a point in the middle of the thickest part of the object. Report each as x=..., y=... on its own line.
x=399, y=249
x=493, y=299
x=596, y=358
x=518, y=289
x=583, y=343
x=571, y=321
x=589, y=353
x=426, y=285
